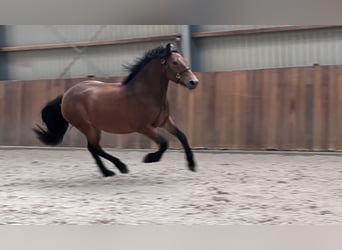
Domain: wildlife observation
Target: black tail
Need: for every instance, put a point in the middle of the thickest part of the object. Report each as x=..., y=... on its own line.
x=54, y=121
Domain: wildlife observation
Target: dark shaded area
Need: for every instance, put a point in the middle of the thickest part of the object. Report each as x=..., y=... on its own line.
x=3, y=55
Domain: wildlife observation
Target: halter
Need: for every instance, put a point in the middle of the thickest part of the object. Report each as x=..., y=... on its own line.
x=178, y=74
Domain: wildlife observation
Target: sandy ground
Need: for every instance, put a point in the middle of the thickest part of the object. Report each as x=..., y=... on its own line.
x=39, y=187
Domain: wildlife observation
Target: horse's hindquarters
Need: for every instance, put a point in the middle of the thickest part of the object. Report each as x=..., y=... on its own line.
x=99, y=105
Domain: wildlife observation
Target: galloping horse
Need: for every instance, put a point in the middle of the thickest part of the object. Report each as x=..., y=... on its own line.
x=138, y=104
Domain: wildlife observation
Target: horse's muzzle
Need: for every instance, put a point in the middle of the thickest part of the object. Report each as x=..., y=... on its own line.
x=192, y=84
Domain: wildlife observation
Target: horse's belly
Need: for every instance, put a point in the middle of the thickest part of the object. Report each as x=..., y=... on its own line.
x=114, y=122
x=116, y=129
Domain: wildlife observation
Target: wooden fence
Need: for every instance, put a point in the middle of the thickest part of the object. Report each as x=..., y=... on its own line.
x=270, y=109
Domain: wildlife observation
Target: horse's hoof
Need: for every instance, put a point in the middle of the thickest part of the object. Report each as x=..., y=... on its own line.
x=124, y=170
x=122, y=167
x=108, y=173
x=152, y=157
x=192, y=166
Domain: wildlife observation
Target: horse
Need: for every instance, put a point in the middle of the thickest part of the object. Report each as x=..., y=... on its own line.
x=138, y=104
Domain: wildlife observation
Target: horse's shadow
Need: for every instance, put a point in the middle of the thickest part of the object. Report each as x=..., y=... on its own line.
x=118, y=181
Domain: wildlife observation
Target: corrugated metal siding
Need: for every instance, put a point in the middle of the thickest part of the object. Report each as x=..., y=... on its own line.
x=17, y=35
x=254, y=51
x=285, y=49
x=99, y=61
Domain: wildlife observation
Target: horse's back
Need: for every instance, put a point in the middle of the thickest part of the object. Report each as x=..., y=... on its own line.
x=96, y=102
x=89, y=89
x=92, y=84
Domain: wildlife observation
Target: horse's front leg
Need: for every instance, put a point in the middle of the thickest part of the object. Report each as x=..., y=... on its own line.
x=157, y=138
x=171, y=128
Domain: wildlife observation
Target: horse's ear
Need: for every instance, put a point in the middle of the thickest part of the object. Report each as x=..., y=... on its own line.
x=168, y=49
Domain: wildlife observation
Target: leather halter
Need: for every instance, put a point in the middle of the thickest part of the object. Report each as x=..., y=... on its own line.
x=178, y=74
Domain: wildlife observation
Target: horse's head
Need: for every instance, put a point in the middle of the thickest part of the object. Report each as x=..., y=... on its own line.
x=177, y=69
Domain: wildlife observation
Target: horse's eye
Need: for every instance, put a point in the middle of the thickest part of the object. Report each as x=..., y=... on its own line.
x=175, y=63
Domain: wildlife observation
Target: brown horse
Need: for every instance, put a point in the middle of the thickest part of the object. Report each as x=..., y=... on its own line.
x=138, y=104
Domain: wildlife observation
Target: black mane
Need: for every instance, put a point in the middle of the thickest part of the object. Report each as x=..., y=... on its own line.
x=140, y=62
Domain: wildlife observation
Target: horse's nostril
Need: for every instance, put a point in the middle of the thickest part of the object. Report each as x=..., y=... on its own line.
x=192, y=82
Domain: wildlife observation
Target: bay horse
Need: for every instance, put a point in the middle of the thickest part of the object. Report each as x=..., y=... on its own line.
x=138, y=104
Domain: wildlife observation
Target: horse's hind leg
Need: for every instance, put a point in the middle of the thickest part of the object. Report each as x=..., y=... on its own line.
x=161, y=141
x=106, y=172
x=116, y=161
x=93, y=137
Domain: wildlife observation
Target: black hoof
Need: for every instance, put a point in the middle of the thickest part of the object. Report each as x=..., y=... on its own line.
x=122, y=167
x=152, y=157
x=192, y=166
x=108, y=173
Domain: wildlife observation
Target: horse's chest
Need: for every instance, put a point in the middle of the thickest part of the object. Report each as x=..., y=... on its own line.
x=160, y=117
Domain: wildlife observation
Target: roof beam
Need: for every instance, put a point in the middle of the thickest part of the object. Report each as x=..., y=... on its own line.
x=205, y=34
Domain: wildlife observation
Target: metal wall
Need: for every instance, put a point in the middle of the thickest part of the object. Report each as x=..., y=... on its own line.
x=271, y=50
x=42, y=34
x=102, y=61
x=240, y=52
x=3, y=56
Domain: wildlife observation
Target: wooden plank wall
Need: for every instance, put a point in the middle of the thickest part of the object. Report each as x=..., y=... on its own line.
x=270, y=109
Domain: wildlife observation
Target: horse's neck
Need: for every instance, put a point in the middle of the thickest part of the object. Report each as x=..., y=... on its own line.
x=151, y=82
